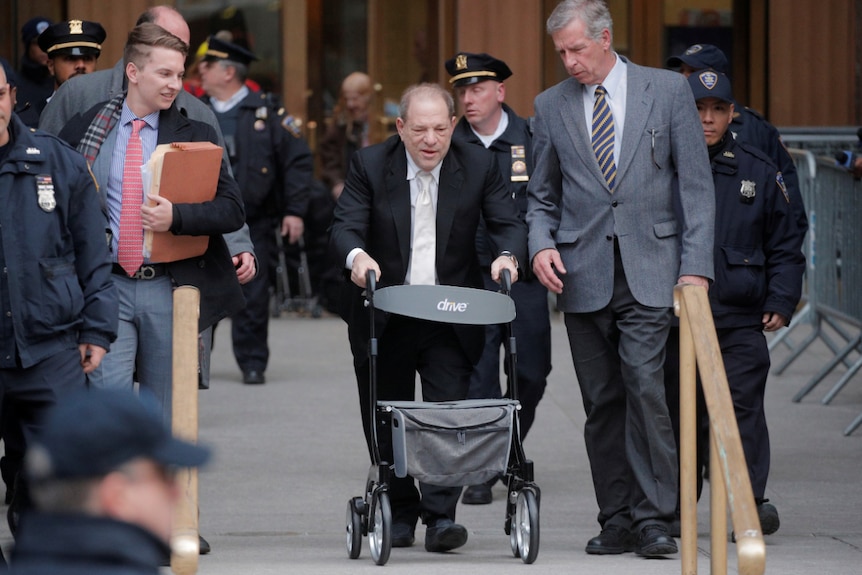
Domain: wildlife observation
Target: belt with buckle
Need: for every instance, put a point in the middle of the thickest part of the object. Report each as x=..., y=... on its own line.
x=145, y=272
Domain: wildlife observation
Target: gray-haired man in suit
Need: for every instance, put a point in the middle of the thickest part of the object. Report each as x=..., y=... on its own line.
x=604, y=237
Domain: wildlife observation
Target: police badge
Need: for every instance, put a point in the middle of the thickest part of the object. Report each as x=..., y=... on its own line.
x=519, y=166
x=747, y=192
x=45, y=193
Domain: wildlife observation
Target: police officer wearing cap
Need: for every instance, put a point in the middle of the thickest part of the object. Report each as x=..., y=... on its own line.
x=103, y=477
x=758, y=277
x=273, y=167
x=479, y=83
x=58, y=305
x=72, y=48
x=35, y=82
x=748, y=126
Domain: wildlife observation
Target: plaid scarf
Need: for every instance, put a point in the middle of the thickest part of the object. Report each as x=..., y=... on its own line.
x=98, y=129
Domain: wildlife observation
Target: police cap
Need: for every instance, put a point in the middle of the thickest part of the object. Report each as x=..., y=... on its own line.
x=73, y=38
x=710, y=83
x=218, y=49
x=91, y=433
x=32, y=28
x=700, y=56
x=466, y=68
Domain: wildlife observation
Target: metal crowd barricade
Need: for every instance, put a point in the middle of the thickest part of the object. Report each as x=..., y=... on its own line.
x=833, y=252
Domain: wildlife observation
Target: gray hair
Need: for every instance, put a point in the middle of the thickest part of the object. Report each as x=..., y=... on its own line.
x=241, y=69
x=425, y=90
x=64, y=495
x=593, y=13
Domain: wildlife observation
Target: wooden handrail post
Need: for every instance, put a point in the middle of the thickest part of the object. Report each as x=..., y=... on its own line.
x=185, y=543
x=687, y=441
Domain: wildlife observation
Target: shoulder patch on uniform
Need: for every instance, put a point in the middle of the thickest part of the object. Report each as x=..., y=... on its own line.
x=292, y=125
x=779, y=181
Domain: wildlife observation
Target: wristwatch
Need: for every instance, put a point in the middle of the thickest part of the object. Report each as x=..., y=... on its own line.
x=511, y=256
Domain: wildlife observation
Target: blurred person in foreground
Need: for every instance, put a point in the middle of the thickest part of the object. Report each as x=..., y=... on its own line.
x=102, y=478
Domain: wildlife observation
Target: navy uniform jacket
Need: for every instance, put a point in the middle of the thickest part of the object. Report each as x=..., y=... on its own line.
x=758, y=263
x=77, y=544
x=58, y=269
x=751, y=128
x=272, y=166
x=517, y=133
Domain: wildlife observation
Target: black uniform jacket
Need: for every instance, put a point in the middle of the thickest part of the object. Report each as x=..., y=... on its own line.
x=274, y=167
x=758, y=263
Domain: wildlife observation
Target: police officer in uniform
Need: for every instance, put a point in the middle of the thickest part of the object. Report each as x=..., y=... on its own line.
x=758, y=277
x=73, y=48
x=35, y=83
x=273, y=167
x=750, y=127
x=58, y=304
x=478, y=80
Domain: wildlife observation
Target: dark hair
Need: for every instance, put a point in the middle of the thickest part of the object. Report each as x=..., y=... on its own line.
x=144, y=37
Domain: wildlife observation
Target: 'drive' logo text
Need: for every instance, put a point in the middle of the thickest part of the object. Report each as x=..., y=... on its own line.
x=447, y=305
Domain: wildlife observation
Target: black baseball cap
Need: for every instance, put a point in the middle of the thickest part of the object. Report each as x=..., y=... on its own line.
x=710, y=83
x=94, y=432
x=32, y=28
x=700, y=56
x=466, y=68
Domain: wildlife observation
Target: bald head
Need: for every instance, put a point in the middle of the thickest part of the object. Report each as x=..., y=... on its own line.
x=168, y=18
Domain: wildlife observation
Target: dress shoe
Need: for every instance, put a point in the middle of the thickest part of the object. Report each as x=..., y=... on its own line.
x=402, y=535
x=613, y=540
x=253, y=377
x=768, y=515
x=444, y=535
x=477, y=495
x=204, y=545
x=655, y=541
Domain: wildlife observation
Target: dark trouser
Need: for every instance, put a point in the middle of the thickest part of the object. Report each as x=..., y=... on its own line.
x=250, y=325
x=746, y=362
x=13, y=445
x=408, y=346
x=618, y=354
x=532, y=331
x=29, y=393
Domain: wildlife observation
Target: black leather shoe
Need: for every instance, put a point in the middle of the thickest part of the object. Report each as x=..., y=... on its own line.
x=253, y=377
x=477, y=495
x=768, y=515
x=655, y=541
x=402, y=535
x=204, y=545
x=612, y=540
x=444, y=535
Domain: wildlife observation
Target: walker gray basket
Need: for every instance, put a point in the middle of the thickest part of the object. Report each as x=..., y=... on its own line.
x=452, y=443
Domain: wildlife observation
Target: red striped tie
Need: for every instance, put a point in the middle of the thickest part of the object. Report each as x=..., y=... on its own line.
x=131, y=243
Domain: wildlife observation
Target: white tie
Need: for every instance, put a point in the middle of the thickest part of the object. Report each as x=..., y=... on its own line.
x=423, y=256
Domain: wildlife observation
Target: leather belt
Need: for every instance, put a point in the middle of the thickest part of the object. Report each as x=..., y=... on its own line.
x=145, y=272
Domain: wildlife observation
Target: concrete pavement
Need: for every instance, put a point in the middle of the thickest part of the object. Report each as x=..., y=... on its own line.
x=289, y=455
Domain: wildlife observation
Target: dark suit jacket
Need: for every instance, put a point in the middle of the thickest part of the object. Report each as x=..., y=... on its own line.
x=213, y=272
x=373, y=213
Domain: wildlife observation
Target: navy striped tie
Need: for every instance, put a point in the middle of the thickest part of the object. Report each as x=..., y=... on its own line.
x=603, y=137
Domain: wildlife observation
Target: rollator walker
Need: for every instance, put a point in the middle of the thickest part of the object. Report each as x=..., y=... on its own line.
x=452, y=443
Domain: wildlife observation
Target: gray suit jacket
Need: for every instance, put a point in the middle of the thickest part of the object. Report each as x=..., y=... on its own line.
x=80, y=93
x=571, y=208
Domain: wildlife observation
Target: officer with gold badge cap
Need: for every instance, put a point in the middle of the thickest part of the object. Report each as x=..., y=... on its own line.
x=273, y=167
x=72, y=47
x=479, y=82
